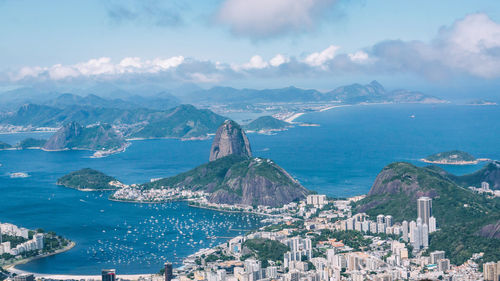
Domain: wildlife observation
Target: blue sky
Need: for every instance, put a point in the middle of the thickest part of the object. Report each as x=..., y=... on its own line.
x=314, y=43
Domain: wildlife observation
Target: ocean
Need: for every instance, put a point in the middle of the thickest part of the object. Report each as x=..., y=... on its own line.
x=339, y=158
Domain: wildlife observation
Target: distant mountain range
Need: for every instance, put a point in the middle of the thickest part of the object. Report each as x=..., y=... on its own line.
x=156, y=97
x=184, y=121
x=350, y=94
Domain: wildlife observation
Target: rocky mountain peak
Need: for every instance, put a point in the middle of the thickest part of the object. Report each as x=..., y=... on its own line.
x=230, y=139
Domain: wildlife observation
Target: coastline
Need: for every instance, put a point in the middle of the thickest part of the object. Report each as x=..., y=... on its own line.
x=444, y=162
x=11, y=267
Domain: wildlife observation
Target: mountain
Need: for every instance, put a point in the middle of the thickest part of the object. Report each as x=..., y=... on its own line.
x=463, y=216
x=230, y=139
x=31, y=143
x=87, y=179
x=184, y=121
x=357, y=93
x=4, y=145
x=228, y=95
x=239, y=180
x=374, y=92
x=490, y=173
x=74, y=136
x=160, y=101
x=266, y=123
x=233, y=177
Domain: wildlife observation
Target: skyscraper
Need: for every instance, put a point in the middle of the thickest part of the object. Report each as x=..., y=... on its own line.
x=388, y=220
x=414, y=236
x=168, y=271
x=404, y=227
x=432, y=224
x=108, y=275
x=424, y=205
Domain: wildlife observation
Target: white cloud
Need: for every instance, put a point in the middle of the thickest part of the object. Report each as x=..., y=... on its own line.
x=319, y=58
x=359, y=56
x=278, y=60
x=267, y=18
x=469, y=46
x=99, y=66
x=473, y=45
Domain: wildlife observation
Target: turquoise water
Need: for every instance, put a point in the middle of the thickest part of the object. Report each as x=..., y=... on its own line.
x=340, y=158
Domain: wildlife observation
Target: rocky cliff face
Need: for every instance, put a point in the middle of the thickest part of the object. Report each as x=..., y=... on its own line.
x=230, y=140
x=64, y=136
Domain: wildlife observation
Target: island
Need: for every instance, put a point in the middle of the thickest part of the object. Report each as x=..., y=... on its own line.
x=482, y=102
x=454, y=157
x=89, y=180
x=266, y=124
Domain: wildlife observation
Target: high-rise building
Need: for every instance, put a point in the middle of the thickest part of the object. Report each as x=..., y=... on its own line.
x=404, y=229
x=490, y=271
x=380, y=219
x=425, y=236
x=388, y=220
x=436, y=256
x=168, y=271
x=432, y=224
x=424, y=205
x=39, y=241
x=108, y=275
x=414, y=240
x=24, y=277
x=443, y=264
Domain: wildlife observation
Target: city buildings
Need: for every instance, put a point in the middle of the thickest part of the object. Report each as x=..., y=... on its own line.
x=108, y=275
x=424, y=205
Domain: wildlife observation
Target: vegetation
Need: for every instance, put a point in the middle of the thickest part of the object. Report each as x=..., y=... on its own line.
x=351, y=238
x=87, y=179
x=229, y=174
x=4, y=145
x=183, y=121
x=265, y=123
x=266, y=249
x=459, y=212
x=31, y=143
x=451, y=157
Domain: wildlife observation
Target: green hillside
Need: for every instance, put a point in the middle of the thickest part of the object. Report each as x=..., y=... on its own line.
x=87, y=179
x=460, y=213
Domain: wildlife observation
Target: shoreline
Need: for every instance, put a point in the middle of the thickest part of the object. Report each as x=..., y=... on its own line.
x=458, y=163
x=11, y=267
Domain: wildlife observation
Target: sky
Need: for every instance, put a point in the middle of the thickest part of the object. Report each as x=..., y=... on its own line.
x=438, y=46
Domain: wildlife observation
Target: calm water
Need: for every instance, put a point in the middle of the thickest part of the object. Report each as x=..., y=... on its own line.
x=340, y=158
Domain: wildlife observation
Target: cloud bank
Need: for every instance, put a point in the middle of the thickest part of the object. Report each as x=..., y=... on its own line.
x=469, y=47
